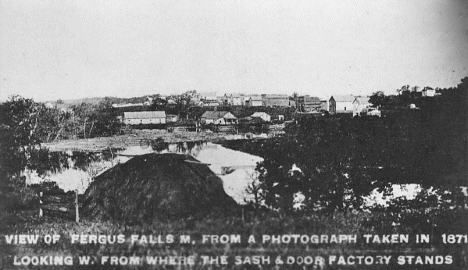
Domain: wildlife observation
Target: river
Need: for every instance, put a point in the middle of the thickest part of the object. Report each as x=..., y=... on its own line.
x=235, y=168
x=83, y=167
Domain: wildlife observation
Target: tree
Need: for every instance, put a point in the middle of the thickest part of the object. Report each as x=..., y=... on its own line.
x=104, y=121
x=342, y=159
x=20, y=142
x=378, y=99
x=254, y=189
x=19, y=125
x=158, y=103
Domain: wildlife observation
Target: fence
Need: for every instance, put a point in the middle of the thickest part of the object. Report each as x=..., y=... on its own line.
x=65, y=206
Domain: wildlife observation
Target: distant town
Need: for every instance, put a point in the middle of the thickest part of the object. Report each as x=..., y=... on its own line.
x=210, y=108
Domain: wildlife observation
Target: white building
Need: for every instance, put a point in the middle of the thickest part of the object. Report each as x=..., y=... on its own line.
x=235, y=99
x=218, y=118
x=428, y=92
x=264, y=116
x=341, y=104
x=254, y=101
x=144, y=118
x=360, y=105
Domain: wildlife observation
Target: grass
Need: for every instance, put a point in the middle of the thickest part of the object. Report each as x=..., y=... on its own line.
x=270, y=223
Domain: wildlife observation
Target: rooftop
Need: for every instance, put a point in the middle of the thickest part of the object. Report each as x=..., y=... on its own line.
x=344, y=98
x=215, y=114
x=145, y=115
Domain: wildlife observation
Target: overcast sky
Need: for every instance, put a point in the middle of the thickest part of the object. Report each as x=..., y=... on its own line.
x=73, y=49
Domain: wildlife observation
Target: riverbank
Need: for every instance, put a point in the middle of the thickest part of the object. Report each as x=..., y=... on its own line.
x=136, y=137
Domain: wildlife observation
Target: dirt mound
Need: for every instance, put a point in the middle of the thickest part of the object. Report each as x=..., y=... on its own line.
x=156, y=186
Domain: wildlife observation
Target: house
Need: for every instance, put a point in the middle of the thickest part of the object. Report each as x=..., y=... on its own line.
x=325, y=104
x=273, y=100
x=148, y=102
x=226, y=99
x=292, y=103
x=218, y=118
x=341, y=104
x=428, y=92
x=235, y=99
x=210, y=97
x=360, y=105
x=262, y=115
x=144, y=117
x=309, y=104
x=171, y=118
x=254, y=101
x=221, y=100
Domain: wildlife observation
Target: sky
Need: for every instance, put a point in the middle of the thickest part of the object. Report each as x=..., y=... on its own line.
x=66, y=49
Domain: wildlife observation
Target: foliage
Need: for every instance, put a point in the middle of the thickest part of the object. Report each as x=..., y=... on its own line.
x=19, y=138
x=25, y=124
x=336, y=160
x=378, y=99
x=104, y=120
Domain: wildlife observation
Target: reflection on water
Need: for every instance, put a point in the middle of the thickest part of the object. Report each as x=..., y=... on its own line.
x=78, y=169
x=71, y=170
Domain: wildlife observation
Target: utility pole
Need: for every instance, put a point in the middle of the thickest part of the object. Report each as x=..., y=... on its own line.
x=77, y=214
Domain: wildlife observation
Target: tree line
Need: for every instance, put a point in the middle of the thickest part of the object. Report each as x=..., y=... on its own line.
x=333, y=161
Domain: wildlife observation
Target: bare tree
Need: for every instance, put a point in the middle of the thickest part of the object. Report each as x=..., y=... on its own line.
x=254, y=189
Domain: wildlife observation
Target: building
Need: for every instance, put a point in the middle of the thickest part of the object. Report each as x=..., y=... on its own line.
x=254, y=101
x=325, y=104
x=360, y=105
x=235, y=99
x=208, y=96
x=196, y=102
x=221, y=100
x=292, y=103
x=144, y=118
x=226, y=99
x=309, y=104
x=208, y=103
x=273, y=100
x=149, y=101
x=262, y=115
x=171, y=102
x=209, y=99
x=218, y=118
x=341, y=104
x=428, y=92
x=171, y=118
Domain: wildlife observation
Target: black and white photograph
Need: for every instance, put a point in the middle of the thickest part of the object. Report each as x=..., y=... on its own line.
x=234, y=135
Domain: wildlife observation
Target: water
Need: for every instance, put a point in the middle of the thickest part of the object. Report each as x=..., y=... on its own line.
x=81, y=168
x=235, y=168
